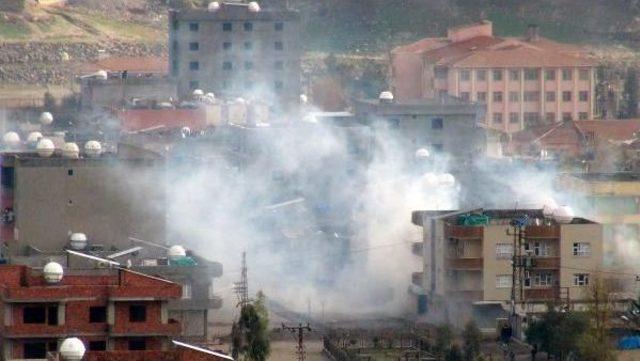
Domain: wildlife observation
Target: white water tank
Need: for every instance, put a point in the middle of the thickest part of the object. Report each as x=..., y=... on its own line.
x=78, y=241
x=213, y=6
x=33, y=138
x=46, y=118
x=92, y=148
x=254, y=7
x=563, y=214
x=422, y=154
x=70, y=150
x=52, y=272
x=176, y=252
x=386, y=96
x=446, y=179
x=45, y=147
x=72, y=349
x=11, y=139
x=198, y=93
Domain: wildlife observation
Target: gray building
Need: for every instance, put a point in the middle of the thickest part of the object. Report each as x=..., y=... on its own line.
x=445, y=124
x=237, y=49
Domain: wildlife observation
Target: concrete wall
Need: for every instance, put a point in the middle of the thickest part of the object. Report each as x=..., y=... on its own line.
x=494, y=266
x=571, y=264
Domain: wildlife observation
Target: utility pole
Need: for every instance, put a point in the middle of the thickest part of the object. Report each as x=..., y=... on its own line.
x=521, y=263
x=299, y=330
x=242, y=287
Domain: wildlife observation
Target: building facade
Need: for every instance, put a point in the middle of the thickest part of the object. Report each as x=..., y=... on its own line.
x=109, y=310
x=468, y=258
x=522, y=80
x=237, y=50
x=442, y=124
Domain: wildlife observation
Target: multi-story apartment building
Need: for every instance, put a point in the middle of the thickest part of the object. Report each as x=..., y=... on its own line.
x=237, y=49
x=468, y=258
x=522, y=80
x=108, y=309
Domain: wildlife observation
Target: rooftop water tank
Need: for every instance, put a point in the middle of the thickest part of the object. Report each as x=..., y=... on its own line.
x=254, y=7
x=422, y=154
x=46, y=118
x=52, y=272
x=176, y=252
x=563, y=214
x=72, y=349
x=78, y=241
x=446, y=179
x=11, y=139
x=213, y=6
x=198, y=93
x=70, y=150
x=92, y=148
x=33, y=138
x=386, y=96
x=45, y=147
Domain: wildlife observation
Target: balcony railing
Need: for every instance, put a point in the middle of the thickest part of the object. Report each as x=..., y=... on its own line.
x=465, y=263
x=542, y=231
x=146, y=329
x=547, y=262
x=542, y=294
x=463, y=231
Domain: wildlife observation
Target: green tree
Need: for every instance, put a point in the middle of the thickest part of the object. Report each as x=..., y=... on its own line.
x=444, y=337
x=631, y=94
x=595, y=345
x=472, y=337
x=256, y=346
x=558, y=333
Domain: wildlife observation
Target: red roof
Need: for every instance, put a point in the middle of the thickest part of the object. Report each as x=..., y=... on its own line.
x=149, y=64
x=135, y=120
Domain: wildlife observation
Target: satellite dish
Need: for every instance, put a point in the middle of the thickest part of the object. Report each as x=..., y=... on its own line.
x=11, y=139
x=53, y=272
x=176, y=252
x=33, y=138
x=198, y=93
x=422, y=154
x=70, y=150
x=213, y=6
x=386, y=96
x=254, y=7
x=78, y=241
x=46, y=118
x=93, y=148
x=72, y=349
x=45, y=147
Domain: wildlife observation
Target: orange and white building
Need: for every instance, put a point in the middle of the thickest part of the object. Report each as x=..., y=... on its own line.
x=522, y=80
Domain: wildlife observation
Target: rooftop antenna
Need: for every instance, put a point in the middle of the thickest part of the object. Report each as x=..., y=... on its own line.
x=242, y=287
x=94, y=258
x=124, y=253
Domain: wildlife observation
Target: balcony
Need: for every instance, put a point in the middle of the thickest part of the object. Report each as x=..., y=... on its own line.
x=468, y=295
x=462, y=232
x=145, y=329
x=542, y=294
x=471, y=264
x=35, y=330
x=547, y=262
x=542, y=231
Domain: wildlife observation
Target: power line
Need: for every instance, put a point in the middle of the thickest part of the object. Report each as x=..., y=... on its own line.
x=242, y=288
x=299, y=330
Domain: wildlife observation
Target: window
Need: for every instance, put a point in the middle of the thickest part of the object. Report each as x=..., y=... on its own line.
x=531, y=74
x=226, y=45
x=227, y=65
x=581, y=249
x=550, y=75
x=550, y=96
x=497, y=118
x=227, y=27
x=583, y=96
x=514, y=97
x=97, y=314
x=583, y=116
x=567, y=116
x=34, y=350
x=531, y=96
x=482, y=97
x=567, y=74
x=465, y=75
x=581, y=279
x=550, y=117
x=176, y=25
x=194, y=26
x=531, y=118
x=481, y=75
x=566, y=96
x=437, y=123
x=542, y=279
x=278, y=26
x=248, y=45
x=279, y=85
x=248, y=65
x=497, y=75
x=504, y=250
x=440, y=73
x=186, y=290
x=35, y=314
x=70, y=172
x=194, y=65
x=137, y=313
x=464, y=96
x=538, y=249
x=497, y=97
x=194, y=84
x=583, y=74
x=248, y=26
x=278, y=45
x=52, y=315
x=194, y=46
x=137, y=344
x=514, y=74
x=514, y=118
x=97, y=345
x=503, y=281
x=278, y=65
